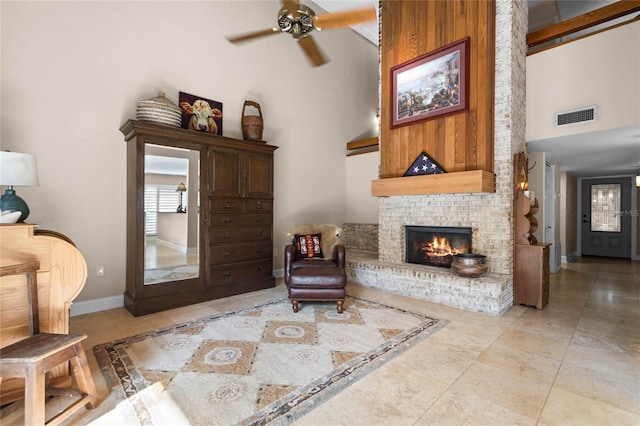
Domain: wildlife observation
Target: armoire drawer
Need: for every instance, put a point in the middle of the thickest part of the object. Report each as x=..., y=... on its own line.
x=238, y=272
x=245, y=219
x=236, y=235
x=258, y=205
x=226, y=205
x=232, y=253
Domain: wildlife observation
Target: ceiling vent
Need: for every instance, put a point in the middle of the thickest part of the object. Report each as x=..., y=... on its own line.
x=577, y=116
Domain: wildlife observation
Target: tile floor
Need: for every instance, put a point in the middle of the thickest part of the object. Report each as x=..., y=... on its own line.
x=576, y=362
x=160, y=256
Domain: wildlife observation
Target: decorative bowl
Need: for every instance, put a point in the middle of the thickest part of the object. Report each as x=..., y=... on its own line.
x=10, y=217
x=469, y=265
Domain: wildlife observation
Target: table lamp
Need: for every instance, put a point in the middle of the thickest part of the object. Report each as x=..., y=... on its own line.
x=17, y=169
x=181, y=188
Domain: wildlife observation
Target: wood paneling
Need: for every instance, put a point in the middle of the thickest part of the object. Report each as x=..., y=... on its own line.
x=459, y=142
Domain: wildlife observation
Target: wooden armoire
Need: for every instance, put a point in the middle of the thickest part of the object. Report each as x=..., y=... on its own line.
x=233, y=187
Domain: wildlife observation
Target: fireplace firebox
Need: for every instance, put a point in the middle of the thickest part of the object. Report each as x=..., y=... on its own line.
x=436, y=245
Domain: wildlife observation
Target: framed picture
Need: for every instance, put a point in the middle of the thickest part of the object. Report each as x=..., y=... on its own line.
x=200, y=114
x=430, y=86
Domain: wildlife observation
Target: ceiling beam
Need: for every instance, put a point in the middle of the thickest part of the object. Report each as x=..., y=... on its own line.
x=587, y=20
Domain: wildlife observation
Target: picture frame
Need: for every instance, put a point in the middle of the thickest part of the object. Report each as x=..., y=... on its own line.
x=200, y=114
x=431, y=86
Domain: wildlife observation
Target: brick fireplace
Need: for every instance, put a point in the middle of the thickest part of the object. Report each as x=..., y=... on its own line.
x=489, y=215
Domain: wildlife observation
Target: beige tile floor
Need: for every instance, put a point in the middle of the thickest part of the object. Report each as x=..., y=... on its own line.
x=160, y=256
x=576, y=362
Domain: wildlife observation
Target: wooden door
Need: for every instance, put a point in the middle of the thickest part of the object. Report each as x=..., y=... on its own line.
x=259, y=176
x=226, y=172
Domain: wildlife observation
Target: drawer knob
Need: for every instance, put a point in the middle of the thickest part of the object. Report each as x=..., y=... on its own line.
x=259, y=205
x=226, y=274
x=226, y=236
x=226, y=219
x=259, y=269
x=259, y=220
x=226, y=253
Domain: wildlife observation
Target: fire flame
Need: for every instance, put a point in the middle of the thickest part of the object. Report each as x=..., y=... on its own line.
x=438, y=247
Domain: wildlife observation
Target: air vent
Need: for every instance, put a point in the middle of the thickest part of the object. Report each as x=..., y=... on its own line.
x=585, y=115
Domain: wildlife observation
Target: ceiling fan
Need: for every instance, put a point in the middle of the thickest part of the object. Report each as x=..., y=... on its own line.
x=299, y=20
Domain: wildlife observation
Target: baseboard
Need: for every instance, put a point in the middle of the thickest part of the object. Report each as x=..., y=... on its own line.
x=181, y=249
x=278, y=273
x=96, y=305
x=573, y=257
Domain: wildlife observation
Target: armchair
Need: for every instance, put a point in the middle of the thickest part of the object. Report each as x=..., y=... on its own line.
x=308, y=274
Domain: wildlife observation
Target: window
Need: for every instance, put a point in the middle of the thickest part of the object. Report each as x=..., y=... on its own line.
x=605, y=208
x=160, y=199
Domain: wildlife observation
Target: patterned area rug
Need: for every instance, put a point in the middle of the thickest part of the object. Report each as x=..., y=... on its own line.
x=259, y=365
x=160, y=275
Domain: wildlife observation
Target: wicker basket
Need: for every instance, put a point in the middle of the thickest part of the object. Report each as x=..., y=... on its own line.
x=159, y=110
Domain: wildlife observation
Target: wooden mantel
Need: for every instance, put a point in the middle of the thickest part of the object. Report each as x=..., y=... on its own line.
x=446, y=183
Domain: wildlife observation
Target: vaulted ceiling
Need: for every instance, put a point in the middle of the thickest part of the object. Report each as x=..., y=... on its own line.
x=581, y=155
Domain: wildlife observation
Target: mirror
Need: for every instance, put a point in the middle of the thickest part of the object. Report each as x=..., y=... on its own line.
x=171, y=214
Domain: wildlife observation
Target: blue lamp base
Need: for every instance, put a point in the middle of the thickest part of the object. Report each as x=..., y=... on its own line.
x=10, y=201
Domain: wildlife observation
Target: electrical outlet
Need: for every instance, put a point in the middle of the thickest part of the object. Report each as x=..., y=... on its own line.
x=100, y=271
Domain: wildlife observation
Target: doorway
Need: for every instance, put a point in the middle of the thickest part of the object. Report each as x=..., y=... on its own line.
x=549, y=218
x=605, y=228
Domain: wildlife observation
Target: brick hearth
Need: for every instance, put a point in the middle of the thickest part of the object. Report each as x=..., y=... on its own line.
x=491, y=294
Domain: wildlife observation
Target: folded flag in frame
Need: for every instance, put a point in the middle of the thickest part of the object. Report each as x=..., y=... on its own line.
x=423, y=165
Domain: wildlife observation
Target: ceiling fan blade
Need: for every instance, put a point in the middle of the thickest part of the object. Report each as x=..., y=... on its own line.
x=311, y=49
x=347, y=18
x=291, y=6
x=250, y=36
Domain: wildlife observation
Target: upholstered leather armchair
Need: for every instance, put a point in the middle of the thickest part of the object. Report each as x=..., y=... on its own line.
x=311, y=275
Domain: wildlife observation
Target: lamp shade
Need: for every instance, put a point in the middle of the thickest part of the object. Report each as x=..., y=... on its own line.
x=17, y=169
x=181, y=188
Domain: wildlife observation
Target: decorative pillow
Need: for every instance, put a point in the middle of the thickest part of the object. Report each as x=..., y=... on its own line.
x=308, y=246
x=329, y=234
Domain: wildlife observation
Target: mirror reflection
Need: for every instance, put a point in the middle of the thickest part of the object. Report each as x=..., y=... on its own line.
x=171, y=212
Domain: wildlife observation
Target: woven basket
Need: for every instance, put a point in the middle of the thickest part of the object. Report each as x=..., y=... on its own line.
x=159, y=110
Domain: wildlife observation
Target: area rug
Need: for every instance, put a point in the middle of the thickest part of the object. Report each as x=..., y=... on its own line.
x=260, y=365
x=171, y=273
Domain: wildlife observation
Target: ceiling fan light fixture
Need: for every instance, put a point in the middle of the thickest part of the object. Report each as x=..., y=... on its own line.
x=298, y=25
x=299, y=21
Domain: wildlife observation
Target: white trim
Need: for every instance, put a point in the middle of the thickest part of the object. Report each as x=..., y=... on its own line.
x=96, y=305
x=278, y=273
x=573, y=257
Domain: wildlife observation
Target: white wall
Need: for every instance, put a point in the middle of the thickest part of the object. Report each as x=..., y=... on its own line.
x=72, y=73
x=599, y=70
x=362, y=207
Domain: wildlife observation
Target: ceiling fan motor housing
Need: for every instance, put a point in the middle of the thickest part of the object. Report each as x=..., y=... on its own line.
x=297, y=25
